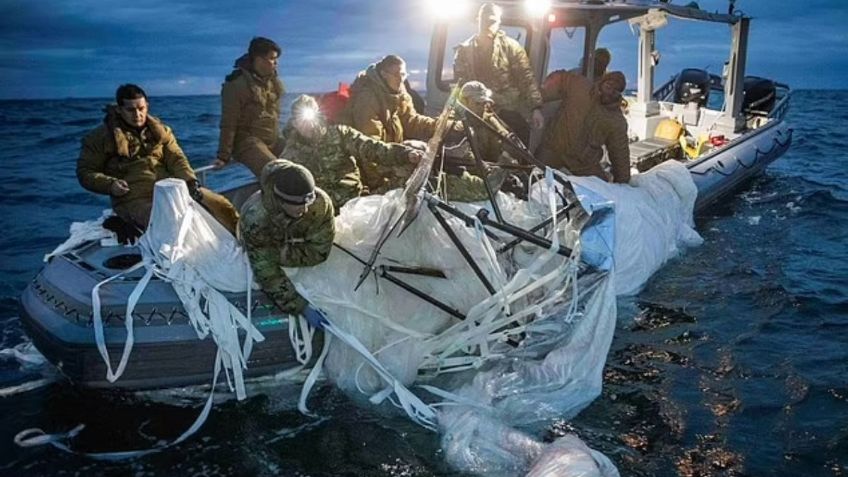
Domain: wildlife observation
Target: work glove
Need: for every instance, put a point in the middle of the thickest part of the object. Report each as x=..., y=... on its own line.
x=314, y=317
x=194, y=190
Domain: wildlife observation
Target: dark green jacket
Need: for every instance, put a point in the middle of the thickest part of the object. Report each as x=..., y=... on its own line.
x=250, y=106
x=274, y=240
x=114, y=151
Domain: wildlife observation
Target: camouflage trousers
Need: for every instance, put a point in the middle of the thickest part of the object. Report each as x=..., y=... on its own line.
x=254, y=153
x=137, y=212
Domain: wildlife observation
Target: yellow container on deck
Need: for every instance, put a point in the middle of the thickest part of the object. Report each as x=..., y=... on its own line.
x=668, y=129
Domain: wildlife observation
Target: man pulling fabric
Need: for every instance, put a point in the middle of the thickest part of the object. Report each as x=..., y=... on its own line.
x=589, y=120
x=288, y=223
x=345, y=162
x=129, y=152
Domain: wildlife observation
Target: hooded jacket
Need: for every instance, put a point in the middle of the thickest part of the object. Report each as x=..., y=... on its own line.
x=274, y=240
x=250, y=106
x=115, y=151
x=583, y=127
x=389, y=116
x=507, y=72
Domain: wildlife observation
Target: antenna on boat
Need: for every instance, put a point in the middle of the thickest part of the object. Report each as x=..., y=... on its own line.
x=731, y=7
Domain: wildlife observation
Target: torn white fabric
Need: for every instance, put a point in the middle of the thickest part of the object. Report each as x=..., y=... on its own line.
x=81, y=232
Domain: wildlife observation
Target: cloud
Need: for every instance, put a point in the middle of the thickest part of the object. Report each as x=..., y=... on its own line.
x=58, y=48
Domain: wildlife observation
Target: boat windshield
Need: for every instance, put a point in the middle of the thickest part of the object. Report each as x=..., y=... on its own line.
x=566, y=48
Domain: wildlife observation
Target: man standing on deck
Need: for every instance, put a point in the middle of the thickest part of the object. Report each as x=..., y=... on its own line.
x=589, y=120
x=288, y=223
x=250, y=108
x=501, y=63
x=345, y=162
x=129, y=152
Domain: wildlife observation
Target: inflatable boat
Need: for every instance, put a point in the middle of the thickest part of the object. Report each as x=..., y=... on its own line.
x=722, y=147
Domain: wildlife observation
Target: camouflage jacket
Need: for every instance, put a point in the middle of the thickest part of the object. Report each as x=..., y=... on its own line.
x=114, y=151
x=382, y=114
x=507, y=72
x=274, y=240
x=337, y=159
x=468, y=186
x=250, y=106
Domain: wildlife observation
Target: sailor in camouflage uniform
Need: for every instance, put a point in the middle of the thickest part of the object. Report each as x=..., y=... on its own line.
x=288, y=223
x=499, y=62
x=339, y=156
x=468, y=187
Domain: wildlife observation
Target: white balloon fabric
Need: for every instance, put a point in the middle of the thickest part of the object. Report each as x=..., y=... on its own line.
x=565, y=323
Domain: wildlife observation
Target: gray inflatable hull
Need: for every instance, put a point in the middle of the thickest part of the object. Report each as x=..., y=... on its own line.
x=56, y=314
x=56, y=306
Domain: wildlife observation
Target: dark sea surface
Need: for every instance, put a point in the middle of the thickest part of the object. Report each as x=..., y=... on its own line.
x=733, y=361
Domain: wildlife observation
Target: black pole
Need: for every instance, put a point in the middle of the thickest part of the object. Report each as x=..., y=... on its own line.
x=461, y=247
x=471, y=134
x=409, y=288
x=381, y=271
x=483, y=215
x=535, y=228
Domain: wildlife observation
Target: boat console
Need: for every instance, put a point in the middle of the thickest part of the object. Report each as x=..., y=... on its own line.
x=730, y=125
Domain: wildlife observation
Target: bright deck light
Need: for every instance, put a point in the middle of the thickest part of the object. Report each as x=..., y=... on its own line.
x=447, y=9
x=537, y=8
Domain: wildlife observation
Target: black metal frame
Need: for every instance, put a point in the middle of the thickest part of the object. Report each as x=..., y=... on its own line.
x=515, y=147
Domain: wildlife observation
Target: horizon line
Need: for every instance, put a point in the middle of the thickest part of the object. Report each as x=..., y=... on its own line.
x=60, y=98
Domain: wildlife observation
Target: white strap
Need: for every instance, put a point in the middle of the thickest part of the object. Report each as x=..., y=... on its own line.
x=313, y=377
x=37, y=437
x=97, y=321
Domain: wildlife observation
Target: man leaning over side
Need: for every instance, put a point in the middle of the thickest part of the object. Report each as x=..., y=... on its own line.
x=288, y=223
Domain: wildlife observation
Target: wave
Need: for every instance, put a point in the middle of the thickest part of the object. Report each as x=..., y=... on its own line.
x=208, y=118
x=92, y=122
x=66, y=138
x=31, y=122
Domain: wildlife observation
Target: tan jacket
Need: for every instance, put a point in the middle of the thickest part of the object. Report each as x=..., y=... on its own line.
x=382, y=114
x=114, y=151
x=250, y=106
x=583, y=127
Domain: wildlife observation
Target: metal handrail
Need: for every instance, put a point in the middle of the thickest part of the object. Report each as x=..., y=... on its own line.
x=662, y=93
x=782, y=107
x=201, y=172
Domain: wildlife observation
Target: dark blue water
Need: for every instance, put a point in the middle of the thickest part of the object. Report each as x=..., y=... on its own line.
x=732, y=362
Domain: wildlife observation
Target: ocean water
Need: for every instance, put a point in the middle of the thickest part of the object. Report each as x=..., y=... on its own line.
x=733, y=361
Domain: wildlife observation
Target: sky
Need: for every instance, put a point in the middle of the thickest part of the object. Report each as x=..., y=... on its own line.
x=85, y=48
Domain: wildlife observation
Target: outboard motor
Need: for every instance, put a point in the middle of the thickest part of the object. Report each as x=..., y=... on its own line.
x=759, y=96
x=692, y=86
